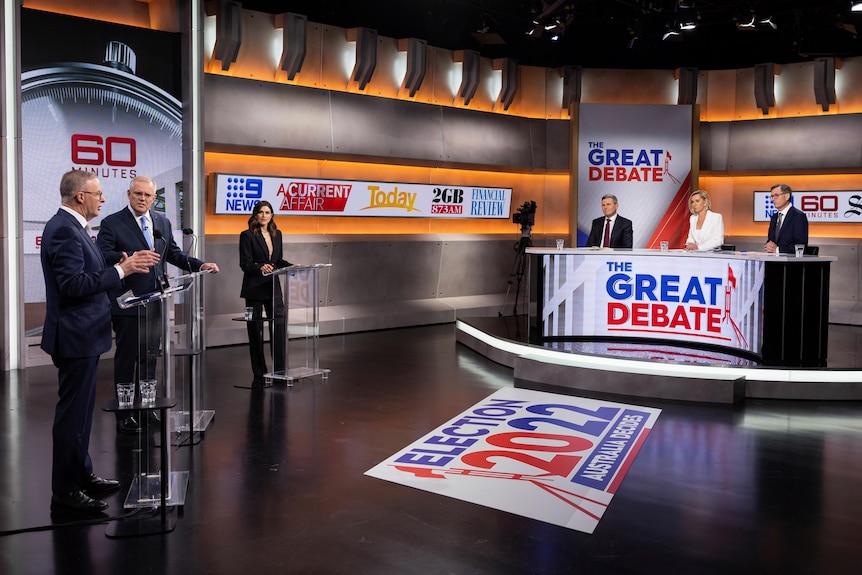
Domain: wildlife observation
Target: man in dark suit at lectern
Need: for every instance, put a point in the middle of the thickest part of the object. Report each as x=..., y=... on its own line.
x=77, y=331
x=130, y=230
x=611, y=230
x=788, y=226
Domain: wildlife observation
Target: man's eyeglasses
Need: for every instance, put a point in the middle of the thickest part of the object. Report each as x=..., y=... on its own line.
x=777, y=195
x=97, y=194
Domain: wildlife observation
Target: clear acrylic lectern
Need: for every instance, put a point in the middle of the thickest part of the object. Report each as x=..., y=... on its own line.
x=186, y=330
x=296, y=317
x=156, y=343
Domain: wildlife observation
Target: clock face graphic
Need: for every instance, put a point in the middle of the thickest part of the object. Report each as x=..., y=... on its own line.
x=101, y=118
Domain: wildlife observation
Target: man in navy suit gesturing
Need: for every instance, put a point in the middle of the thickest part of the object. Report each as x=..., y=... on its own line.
x=788, y=226
x=77, y=331
x=130, y=230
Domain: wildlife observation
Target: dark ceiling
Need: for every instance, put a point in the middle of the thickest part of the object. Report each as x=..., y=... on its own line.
x=605, y=33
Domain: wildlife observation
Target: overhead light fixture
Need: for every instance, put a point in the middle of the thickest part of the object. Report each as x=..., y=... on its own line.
x=670, y=33
x=749, y=25
x=366, y=54
x=293, y=28
x=688, y=25
x=537, y=29
x=768, y=21
x=856, y=6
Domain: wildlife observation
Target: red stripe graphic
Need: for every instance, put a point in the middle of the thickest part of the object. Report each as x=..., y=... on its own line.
x=673, y=227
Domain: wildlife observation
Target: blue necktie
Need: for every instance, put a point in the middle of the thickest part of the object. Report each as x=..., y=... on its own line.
x=146, y=230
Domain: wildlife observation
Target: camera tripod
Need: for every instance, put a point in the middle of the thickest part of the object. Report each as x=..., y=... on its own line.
x=518, y=269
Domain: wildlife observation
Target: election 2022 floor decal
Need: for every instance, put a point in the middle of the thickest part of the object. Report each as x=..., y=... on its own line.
x=555, y=458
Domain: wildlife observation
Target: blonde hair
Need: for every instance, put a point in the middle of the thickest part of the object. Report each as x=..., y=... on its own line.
x=703, y=194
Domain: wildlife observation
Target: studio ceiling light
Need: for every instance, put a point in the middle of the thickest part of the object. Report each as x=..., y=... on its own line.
x=768, y=21
x=856, y=6
x=747, y=24
x=537, y=30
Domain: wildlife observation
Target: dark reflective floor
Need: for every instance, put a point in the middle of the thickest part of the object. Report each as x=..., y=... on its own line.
x=277, y=483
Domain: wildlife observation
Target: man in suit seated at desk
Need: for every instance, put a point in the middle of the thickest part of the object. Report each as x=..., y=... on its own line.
x=611, y=230
x=788, y=226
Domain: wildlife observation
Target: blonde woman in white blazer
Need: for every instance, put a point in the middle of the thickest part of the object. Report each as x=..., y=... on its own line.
x=706, y=228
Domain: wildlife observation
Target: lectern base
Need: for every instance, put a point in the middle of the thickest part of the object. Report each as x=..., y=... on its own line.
x=202, y=420
x=151, y=523
x=146, y=490
x=295, y=373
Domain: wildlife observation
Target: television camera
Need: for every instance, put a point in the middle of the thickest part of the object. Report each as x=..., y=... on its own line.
x=525, y=215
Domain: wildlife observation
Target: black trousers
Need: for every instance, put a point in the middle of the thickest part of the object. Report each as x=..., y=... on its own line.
x=277, y=322
x=73, y=420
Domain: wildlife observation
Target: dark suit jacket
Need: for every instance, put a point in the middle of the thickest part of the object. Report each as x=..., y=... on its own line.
x=78, y=314
x=120, y=232
x=621, y=234
x=794, y=230
x=253, y=253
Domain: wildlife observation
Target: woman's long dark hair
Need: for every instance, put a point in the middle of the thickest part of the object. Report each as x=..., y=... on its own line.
x=254, y=227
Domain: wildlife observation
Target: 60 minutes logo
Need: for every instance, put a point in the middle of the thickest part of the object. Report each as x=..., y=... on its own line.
x=93, y=150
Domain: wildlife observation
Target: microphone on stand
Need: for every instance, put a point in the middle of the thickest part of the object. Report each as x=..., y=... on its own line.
x=190, y=232
x=164, y=283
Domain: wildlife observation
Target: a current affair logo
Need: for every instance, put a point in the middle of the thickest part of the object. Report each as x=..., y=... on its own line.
x=554, y=458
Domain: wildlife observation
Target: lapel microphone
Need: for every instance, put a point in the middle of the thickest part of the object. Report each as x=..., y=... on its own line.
x=164, y=283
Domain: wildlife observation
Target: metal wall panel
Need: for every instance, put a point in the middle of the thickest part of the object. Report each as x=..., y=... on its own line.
x=374, y=270
x=477, y=266
x=249, y=116
x=557, y=144
x=371, y=127
x=813, y=143
x=380, y=271
x=485, y=139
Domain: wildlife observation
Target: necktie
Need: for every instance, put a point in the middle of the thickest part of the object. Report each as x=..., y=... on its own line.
x=606, y=242
x=146, y=229
x=778, y=224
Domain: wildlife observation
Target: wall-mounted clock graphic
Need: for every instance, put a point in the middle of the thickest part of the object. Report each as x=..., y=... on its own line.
x=100, y=118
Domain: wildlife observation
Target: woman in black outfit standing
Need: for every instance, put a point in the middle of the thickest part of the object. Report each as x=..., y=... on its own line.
x=260, y=253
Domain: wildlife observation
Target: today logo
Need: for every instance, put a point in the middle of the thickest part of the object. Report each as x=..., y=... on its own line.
x=391, y=199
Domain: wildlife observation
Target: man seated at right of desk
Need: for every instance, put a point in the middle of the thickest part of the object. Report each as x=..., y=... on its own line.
x=788, y=226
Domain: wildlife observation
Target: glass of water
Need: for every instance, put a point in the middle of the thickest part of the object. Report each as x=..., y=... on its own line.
x=148, y=390
x=126, y=394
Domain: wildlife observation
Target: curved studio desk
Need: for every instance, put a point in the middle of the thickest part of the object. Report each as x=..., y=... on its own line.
x=772, y=308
